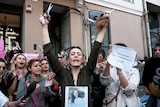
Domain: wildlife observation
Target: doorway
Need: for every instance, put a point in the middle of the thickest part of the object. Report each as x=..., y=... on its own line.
x=59, y=27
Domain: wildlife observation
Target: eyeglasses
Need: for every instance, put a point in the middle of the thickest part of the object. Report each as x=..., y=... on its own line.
x=2, y=67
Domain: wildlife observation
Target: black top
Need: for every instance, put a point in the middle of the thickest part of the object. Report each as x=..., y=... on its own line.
x=65, y=75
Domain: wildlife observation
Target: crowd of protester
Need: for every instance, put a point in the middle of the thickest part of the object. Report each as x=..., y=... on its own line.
x=51, y=73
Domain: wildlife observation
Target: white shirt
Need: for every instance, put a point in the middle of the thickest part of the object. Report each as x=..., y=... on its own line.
x=126, y=97
x=3, y=99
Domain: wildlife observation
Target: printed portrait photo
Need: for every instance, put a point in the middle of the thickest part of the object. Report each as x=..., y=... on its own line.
x=76, y=96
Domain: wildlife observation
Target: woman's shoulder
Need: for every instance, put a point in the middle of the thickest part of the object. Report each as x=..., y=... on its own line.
x=9, y=75
x=134, y=70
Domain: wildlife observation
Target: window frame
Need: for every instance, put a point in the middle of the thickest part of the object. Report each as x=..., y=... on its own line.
x=94, y=32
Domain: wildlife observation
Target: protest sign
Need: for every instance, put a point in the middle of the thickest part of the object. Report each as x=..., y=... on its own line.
x=122, y=57
x=2, y=49
x=30, y=56
x=1, y=45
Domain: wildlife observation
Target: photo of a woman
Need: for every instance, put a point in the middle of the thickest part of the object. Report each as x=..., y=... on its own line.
x=76, y=97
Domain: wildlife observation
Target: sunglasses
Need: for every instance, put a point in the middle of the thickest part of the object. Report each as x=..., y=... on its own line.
x=2, y=67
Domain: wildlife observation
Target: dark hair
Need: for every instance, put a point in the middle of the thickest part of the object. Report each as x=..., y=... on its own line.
x=13, y=44
x=121, y=44
x=65, y=55
x=157, y=44
x=72, y=95
x=30, y=63
x=73, y=47
x=154, y=49
x=101, y=51
x=2, y=60
x=43, y=59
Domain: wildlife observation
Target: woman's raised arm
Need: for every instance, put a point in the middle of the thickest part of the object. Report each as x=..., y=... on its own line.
x=44, y=20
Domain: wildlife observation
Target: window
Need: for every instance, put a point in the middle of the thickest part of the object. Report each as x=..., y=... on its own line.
x=93, y=31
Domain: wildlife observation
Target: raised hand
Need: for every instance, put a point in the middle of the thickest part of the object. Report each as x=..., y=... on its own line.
x=20, y=73
x=44, y=19
x=50, y=76
x=23, y=102
x=102, y=21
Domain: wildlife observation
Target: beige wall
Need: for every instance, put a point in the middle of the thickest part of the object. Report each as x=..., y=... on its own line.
x=124, y=27
x=127, y=28
x=76, y=29
x=70, y=3
x=31, y=27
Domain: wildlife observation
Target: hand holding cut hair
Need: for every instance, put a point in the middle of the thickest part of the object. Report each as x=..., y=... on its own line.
x=101, y=21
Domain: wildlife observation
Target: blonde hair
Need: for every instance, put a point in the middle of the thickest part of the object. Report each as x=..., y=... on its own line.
x=13, y=65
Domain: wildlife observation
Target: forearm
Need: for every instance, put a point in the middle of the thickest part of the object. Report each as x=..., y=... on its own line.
x=45, y=34
x=122, y=78
x=12, y=104
x=13, y=87
x=106, y=71
x=100, y=35
x=55, y=82
x=97, y=70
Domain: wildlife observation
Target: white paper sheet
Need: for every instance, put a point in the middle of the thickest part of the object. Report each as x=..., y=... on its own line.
x=122, y=57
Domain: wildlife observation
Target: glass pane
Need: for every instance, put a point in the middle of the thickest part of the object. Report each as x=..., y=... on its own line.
x=93, y=32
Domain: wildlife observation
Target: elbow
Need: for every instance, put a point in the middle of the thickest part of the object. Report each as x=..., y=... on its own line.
x=130, y=89
x=130, y=92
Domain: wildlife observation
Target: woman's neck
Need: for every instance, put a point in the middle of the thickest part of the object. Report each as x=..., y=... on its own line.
x=35, y=78
x=75, y=72
x=19, y=68
x=45, y=73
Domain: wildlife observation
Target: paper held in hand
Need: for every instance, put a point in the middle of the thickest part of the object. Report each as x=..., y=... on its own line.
x=122, y=57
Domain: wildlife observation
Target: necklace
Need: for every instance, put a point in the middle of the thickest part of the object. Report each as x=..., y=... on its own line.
x=36, y=79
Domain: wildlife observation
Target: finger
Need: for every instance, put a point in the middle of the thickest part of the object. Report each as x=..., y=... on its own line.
x=45, y=15
x=22, y=104
x=23, y=101
x=48, y=78
x=48, y=17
